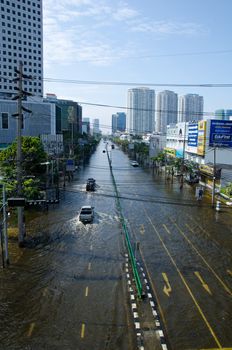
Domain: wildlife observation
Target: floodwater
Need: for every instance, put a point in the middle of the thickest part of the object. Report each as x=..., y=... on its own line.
x=66, y=289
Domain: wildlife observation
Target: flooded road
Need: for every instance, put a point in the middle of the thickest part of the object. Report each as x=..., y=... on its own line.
x=67, y=289
x=186, y=249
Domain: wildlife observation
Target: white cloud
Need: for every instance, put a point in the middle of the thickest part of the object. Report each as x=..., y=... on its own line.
x=167, y=27
x=86, y=30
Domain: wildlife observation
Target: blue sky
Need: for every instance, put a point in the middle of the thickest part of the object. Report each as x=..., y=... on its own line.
x=149, y=41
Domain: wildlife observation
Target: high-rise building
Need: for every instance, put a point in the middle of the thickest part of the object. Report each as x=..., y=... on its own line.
x=86, y=125
x=166, y=113
x=114, y=123
x=190, y=108
x=96, y=126
x=21, y=38
x=118, y=122
x=223, y=114
x=141, y=110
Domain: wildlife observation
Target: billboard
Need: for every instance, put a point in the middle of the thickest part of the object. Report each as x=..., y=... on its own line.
x=220, y=133
x=70, y=165
x=196, y=138
x=170, y=151
x=192, y=138
x=201, y=137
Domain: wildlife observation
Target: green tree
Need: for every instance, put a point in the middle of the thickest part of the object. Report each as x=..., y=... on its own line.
x=33, y=172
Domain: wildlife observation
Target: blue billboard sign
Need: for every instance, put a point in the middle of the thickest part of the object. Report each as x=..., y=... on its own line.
x=193, y=135
x=70, y=166
x=220, y=133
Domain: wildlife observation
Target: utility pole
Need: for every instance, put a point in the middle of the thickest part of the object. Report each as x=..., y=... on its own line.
x=3, y=227
x=214, y=176
x=183, y=158
x=21, y=232
x=5, y=224
x=19, y=115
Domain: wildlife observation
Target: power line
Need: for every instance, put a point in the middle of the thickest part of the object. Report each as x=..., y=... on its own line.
x=118, y=83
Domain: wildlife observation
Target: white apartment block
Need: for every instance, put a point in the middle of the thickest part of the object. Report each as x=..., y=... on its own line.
x=141, y=110
x=21, y=39
x=190, y=108
x=96, y=126
x=166, y=111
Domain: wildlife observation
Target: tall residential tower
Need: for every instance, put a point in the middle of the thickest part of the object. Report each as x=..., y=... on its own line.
x=118, y=122
x=190, y=108
x=166, y=113
x=21, y=39
x=141, y=110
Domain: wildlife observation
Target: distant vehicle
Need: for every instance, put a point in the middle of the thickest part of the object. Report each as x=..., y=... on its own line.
x=112, y=146
x=134, y=163
x=91, y=184
x=86, y=214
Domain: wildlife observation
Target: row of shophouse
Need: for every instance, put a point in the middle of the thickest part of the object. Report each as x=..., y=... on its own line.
x=207, y=144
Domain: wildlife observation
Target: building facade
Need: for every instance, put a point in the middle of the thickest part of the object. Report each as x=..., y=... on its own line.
x=69, y=116
x=223, y=114
x=157, y=144
x=190, y=108
x=86, y=126
x=192, y=141
x=41, y=120
x=166, y=112
x=96, y=126
x=21, y=39
x=141, y=111
x=118, y=122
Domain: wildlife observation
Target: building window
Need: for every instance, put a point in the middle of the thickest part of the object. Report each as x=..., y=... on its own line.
x=5, y=121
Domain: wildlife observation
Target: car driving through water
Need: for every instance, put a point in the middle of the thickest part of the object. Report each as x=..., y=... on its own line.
x=86, y=214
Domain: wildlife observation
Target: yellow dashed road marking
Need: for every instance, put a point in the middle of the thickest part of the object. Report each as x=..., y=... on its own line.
x=227, y=289
x=186, y=284
x=82, y=330
x=166, y=229
x=30, y=330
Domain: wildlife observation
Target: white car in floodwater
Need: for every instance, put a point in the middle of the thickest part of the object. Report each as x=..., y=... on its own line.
x=86, y=214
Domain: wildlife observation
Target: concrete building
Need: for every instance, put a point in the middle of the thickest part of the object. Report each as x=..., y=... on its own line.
x=157, y=144
x=21, y=38
x=114, y=123
x=96, y=126
x=118, y=122
x=42, y=120
x=176, y=139
x=141, y=111
x=166, y=111
x=69, y=114
x=86, y=126
x=223, y=114
x=193, y=141
x=190, y=108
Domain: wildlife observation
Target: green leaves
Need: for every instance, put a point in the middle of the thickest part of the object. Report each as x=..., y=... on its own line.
x=32, y=171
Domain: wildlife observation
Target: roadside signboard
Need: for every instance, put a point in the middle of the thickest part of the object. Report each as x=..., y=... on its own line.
x=201, y=137
x=170, y=151
x=192, y=138
x=220, y=133
x=70, y=166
